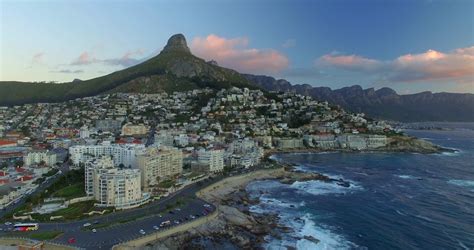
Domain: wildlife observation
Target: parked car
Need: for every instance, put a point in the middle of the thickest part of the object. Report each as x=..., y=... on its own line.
x=87, y=225
x=165, y=223
x=156, y=227
x=142, y=231
x=94, y=230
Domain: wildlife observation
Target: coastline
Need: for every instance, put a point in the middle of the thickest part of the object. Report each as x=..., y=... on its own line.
x=398, y=144
x=235, y=227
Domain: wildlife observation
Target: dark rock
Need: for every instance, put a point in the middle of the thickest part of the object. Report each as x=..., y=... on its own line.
x=177, y=43
x=311, y=238
x=384, y=103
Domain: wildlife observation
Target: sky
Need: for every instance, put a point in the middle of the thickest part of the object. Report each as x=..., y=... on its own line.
x=408, y=45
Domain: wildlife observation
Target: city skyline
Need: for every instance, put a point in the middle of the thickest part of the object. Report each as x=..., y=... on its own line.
x=411, y=47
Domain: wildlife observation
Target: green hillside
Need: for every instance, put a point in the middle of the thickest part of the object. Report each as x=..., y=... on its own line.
x=174, y=69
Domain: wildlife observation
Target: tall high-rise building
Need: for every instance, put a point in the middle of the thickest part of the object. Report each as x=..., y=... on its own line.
x=159, y=163
x=121, y=153
x=214, y=158
x=113, y=187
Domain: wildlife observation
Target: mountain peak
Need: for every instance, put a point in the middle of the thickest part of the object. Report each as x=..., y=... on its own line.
x=177, y=42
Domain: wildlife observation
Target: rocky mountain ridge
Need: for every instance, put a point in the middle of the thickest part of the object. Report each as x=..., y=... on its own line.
x=384, y=103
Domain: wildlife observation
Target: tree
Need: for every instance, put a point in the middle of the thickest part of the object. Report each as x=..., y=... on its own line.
x=4, y=165
x=19, y=163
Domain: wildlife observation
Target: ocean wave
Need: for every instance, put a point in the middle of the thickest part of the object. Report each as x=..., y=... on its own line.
x=327, y=238
x=307, y=234
x=275, y=157
x=455, y=153
x=302, y=168
x=403, y=176
x=324, y=188
x=269, y=201
x=400, y=213
x=463, y=183
x=424, y=218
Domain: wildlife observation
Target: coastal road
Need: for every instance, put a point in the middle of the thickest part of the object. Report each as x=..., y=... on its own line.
x=115, y=233
x=107, y=237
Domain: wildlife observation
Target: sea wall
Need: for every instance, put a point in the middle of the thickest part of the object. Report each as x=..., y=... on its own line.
x=134, y=244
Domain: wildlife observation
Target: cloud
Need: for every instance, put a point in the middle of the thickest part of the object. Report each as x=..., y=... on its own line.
x=68, y=71
x=348, y=62
x=234, y=53
x=84, y=59
x=432, y=65
x=126, y=60
x=37, y=58
x=289, y=43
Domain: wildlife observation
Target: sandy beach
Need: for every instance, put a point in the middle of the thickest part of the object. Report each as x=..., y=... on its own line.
x=219, y=190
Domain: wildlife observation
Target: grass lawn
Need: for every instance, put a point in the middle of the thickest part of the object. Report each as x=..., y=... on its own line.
x=72, y=212
x=70, y=192
x=166, y=184
x=47, y=235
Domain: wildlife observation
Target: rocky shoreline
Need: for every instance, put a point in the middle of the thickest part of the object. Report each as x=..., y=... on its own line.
x=235, y=226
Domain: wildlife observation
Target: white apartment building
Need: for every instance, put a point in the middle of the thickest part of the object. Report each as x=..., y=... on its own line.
x=121, y=153
x=113, y=187
x=36, y=157
x=159, y=163
x=289, y=143
x=214, y=158
x=376, y=141
x=84, y=132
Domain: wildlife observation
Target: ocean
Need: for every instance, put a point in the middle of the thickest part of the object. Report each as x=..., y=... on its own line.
x=395, y=200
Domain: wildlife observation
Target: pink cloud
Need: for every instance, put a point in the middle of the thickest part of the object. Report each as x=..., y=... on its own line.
x=84, y=58
x=349, y=62
x=432, y=65
x=234, y=53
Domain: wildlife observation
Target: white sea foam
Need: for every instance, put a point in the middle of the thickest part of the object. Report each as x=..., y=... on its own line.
x=463, y=183
x=400, y=213
x=402, y=176
x=455, y=153
x=324, y=188
x=327, y=238
x=274, y=157
x=305, y=226
x=302, y=168
x=424, y=218
x=279, y=203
